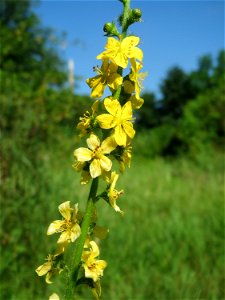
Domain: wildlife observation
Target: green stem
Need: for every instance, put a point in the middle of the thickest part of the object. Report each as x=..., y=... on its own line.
x=76, y=259
x=125, y=18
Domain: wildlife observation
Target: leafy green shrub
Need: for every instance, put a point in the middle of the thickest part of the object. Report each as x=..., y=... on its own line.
x=203, y=121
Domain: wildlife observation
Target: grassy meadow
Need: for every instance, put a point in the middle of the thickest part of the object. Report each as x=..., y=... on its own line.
x=168, y=245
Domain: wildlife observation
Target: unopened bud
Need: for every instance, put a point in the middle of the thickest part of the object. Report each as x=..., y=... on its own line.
x=110, y=29
x=107, y=27
x=136, y=14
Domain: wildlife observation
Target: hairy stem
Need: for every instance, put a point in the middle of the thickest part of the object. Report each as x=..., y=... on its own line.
x=125, y=18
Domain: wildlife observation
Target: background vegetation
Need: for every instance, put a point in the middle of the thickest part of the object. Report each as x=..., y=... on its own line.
x=170, y=244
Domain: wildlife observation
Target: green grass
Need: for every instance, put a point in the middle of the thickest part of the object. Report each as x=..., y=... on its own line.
x=168, y=245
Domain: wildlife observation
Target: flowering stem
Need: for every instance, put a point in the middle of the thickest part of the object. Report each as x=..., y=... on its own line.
x=76, y=259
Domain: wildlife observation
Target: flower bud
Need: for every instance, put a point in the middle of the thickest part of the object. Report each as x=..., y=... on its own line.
x=110, y=29
x=136, y=14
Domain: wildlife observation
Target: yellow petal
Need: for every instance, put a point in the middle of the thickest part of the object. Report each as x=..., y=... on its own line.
x=111, y=48
x=65, y=210
x=90, y=273
x=64, y=237
x=120, y=59
x=112, y=68
x=137, y=53
x=116, y=208
x=114, y=81
x=94, y=81
x=105, y=163
x=95, y=249
x=55, y=227
x=112, y=106
x=95, y=168
x=120, y=136
x=54, y=296
x=101, y=265
x=48, y=277
x=44, y=269
x=75, y=232
x=130, y=41
x=105, y=121
x=113, y=180
x=136, y=103
x=98, y=89
x=108, y=145
x=127, y=111
x=94, y=106
x=83, y=154
x=112, y=43
x=128, y=128
x=135, y=65
x=93, y=142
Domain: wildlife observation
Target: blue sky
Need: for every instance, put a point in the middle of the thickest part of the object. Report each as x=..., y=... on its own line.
x=172, y=33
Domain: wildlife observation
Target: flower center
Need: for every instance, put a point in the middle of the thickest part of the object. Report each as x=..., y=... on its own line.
x=97, y=153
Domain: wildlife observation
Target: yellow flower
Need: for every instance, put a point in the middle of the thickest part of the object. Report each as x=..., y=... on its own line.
x=86, y=121
x=93, y=267
x=48, y=269
x=118, y=118
x=69, y=226
x=113, y=194
x=106, y=76
x=95, y=154
x=136, y=77
x=119, y=51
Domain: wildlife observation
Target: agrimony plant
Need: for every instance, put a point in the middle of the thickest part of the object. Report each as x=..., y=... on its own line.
x=109, y=130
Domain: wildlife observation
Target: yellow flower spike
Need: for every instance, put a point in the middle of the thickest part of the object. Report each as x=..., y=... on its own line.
x=118, y=118
x=95, y=154
x=113, y=194
x=107, y=75
x=93, y=267
x=119, y=51
x=69, y=228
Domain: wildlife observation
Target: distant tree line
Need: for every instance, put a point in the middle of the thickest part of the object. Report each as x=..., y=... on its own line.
x=190, y=112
